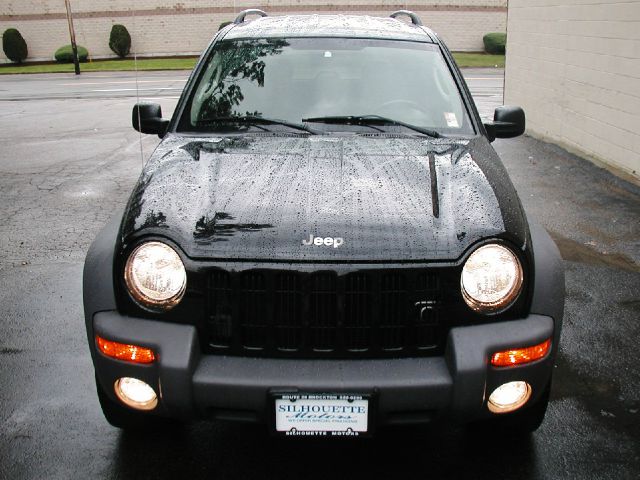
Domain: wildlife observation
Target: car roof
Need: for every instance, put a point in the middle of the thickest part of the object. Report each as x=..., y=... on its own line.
x=355, y=26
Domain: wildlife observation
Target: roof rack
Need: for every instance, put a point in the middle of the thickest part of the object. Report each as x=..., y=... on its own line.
x=252, y=11
x=415, y=19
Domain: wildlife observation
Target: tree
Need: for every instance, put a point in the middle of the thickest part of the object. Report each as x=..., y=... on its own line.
x=14, y=46
x=120, y=40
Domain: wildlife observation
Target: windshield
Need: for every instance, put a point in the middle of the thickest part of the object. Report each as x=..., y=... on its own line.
x=304, y=80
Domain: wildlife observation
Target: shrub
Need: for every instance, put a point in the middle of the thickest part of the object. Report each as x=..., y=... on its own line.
x=224, y=24
x=65, y=54
x=495, y=42
x=14, y=46
x=120, y=40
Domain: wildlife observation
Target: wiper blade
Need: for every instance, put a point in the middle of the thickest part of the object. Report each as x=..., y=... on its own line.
x=255, y=119
x=344, y=120
x=367, y=120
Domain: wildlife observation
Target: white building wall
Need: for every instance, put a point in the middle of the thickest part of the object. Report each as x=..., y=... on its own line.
x=177, y=28
x=574, y=66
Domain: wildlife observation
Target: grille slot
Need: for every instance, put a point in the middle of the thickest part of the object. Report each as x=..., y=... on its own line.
x=323, y=312
x=358, y=312
x=363, y=314
x=252, y=309
x=221, y=315
x=428, y=319
x=393, y=311
x=288, y=312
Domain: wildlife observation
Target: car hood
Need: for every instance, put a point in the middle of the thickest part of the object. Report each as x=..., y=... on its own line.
x=369, y=198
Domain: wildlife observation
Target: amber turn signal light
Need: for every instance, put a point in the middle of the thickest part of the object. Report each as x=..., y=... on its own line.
x=519, y=356
x=122, y=351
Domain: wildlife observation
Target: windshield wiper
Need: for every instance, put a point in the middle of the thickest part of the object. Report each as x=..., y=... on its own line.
x=367, y=120
x=255, y=120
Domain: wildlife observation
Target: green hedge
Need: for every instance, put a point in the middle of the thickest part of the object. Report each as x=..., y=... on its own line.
x=495, y=43
x=120, y=40
x=65, y=54
x=14, y=46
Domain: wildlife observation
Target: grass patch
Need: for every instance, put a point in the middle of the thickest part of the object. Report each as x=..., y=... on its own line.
x=104, y=66
x=463, y=60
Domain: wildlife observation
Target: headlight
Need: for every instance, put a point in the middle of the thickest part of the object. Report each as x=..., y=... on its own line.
x=155, y=276
x=491, y=279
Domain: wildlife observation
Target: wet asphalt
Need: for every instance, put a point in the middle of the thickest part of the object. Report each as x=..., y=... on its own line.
x=68, y=162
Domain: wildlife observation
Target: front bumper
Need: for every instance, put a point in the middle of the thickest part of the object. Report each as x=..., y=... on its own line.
x=407, y=390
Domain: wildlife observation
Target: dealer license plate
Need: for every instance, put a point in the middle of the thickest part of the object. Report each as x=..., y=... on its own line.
x=321, y=414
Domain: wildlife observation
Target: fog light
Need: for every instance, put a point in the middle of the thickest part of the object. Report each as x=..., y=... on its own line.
x=136, y=393
x=509, y=397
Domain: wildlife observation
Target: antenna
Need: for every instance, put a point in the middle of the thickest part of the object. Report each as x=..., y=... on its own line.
x=135, y=68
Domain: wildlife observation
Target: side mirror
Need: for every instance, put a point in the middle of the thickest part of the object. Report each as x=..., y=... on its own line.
x=508, y=122
x=147, y=118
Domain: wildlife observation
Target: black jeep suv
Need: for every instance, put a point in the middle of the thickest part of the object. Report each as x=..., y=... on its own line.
x=326, y=242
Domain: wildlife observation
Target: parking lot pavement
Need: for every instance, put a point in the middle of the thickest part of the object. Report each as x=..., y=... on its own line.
x=92, y=85
x=67, y=165
x=486, y=85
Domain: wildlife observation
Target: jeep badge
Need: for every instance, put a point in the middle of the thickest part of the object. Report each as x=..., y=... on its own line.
x=326, y=241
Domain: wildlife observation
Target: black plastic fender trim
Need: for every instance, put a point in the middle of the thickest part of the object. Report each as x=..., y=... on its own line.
x=468, y=352
x=549, y=287
x=97, y=278
x=178, y=354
